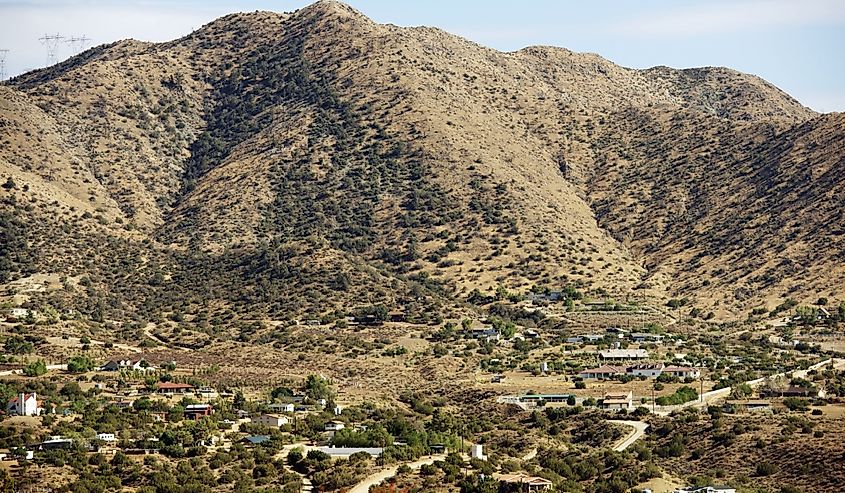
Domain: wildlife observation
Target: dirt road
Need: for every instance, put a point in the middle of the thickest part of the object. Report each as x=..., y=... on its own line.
x=374, y=479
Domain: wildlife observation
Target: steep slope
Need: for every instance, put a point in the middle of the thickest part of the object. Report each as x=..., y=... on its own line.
x=313, y=162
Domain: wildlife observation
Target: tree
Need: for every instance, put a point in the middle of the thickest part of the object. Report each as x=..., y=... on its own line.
x=318, y=387
x=35, y=369
x=10, y=183
x=80, y=364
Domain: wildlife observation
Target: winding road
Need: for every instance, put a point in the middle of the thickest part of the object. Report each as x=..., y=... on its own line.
x=638, y=431
x=374, y=479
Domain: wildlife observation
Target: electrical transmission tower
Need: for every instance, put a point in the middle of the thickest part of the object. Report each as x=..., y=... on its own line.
x=51, y=42
x=3, y=53
x=77, y=44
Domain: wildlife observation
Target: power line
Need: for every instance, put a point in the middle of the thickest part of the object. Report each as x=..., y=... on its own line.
x=51, y=42
x=77, y=44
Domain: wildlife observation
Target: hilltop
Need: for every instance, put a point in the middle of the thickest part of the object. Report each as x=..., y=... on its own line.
x=315, y=163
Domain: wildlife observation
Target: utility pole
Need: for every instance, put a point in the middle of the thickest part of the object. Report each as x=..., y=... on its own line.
x=51, y=42
x=3, y=53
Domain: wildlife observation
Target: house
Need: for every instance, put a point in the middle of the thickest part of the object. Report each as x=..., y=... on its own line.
x=486, y=333
x=256, y=439
x=347, y=451
x=477, y=452
x=437, y=448
x=498, y=378
x=396, y=316
x=623, y=354
x=106, y=437
x=271, y=420
x=524, y=482
x=750, y=406
x=589, y=338
x=618, y=400
x=604, y=372
x=791, y=391
x=17, y=313
x=286, y=407
x=548, y=398
x=549, y=297
x=174, y=388
x=198, y=411
x=647, y=337
x=24, y=405
x=334, y=426
x=126, y=364
x=682, y=371
x=706, y=489
x=55, y=443
x=648, y=371
x=531, y=334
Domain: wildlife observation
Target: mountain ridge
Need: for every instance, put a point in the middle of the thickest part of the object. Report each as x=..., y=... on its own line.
x=322, y=138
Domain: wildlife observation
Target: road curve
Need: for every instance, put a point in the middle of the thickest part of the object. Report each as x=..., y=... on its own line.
x=638, y=431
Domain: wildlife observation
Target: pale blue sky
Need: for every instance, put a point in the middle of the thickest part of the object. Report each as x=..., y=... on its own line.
x=799, y=45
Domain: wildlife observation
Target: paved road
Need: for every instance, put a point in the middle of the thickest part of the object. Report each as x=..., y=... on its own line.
x=374, y=479
x=638, y=431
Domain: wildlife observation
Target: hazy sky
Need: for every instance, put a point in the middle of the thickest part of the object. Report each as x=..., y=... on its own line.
x=799, y=45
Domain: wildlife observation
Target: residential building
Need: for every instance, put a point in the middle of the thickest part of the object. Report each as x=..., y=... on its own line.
x=604, y=372
x=623, y=354
x=198, y=411
x=127, y=364
x=106, y=437
x=486, y=333
x=525, y=482
x=55, y=442
x=647, y=370
x=682, y=371
x=334, y=426
x=174, y=388
x=477, y=452
x=271, y=420
x=545, y=398
x=347, y=451
x=285, y=407
x=706, y=489
x=24, y=405
x=618, y=400
x=256, y=439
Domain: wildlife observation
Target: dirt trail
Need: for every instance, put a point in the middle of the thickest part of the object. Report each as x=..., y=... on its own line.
x=638, y=431
x=374, y=479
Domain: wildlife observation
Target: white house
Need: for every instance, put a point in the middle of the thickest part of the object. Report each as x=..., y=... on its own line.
x=24, y=405
x=271, y=420
x=706, y=489
x=286, y=407
x=682, y=371
x=623, y=354
x=106, y=437
x=334, y=426
x=648, y=371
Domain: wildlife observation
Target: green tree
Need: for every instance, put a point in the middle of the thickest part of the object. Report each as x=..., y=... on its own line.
x=35, y=369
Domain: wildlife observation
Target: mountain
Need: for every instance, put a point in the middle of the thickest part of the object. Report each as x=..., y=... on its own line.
x=315, y=163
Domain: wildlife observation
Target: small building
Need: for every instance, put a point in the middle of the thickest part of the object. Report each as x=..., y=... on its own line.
x=106, y=437
x=271, y=420
x=497, y=378
x=334, y=426
x=682, y=371
x=749, y=405
x=618, y=400
x=55, y=443
x=285, y=407
x=347, y=451
x=487, y=333
x=647, y=337
x=477, y=452
x=437, y=448
x=623, y=354
x=706, y=489
x=791, y=391
x=524, y=482
x=531, y=334
x=174, y=388
x=16, y=314
x=198, y=411
x=24, y=405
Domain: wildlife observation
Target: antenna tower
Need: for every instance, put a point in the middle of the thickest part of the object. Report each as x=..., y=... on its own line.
x=51, y=42
x=3, y=53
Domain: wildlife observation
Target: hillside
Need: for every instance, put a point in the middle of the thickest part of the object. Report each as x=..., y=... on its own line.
x=315, y=162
